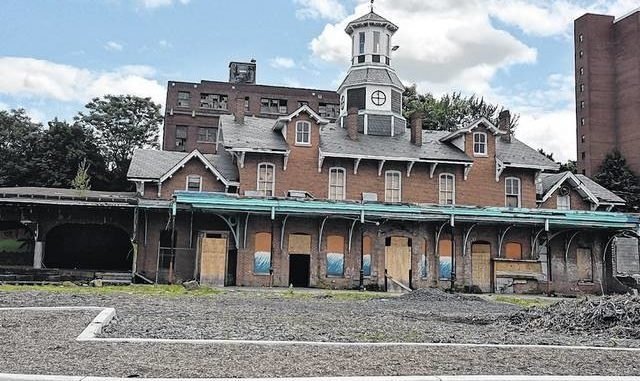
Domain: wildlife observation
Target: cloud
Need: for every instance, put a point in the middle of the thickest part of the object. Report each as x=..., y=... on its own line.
x=320, y=9
x=42, y=79
x=443, y=44
x=553, y=131
x=151, y=4
x=165, y=44
x=113, y=46
x=282, y=63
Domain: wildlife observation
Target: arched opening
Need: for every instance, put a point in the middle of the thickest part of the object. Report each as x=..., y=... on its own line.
x=89, y=247
x=16, y=244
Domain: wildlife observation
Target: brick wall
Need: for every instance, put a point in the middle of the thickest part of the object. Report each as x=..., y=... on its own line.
x=577, y=202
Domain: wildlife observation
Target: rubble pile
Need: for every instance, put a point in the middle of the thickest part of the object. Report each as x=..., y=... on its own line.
x=436, y=295
x=618, y=316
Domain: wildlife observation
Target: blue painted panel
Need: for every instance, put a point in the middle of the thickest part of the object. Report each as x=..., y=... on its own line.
x=366, y=264
x=445, y=267
x=261, y=262
x=335, y=264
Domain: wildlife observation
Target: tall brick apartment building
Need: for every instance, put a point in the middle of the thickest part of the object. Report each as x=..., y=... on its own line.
x=288, y=193
x=607, y=78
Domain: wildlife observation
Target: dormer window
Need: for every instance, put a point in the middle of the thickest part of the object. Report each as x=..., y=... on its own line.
x=303, y=133
x=194, y=183
x=479, y=144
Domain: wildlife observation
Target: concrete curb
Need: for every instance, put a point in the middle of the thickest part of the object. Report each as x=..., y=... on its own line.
x=36, y=377
x=95, y=327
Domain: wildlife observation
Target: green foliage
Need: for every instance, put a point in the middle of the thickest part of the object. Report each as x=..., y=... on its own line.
x=569, y=165
x=121, y=124
x=615, y=175
x=18, y=140
x=524, y=302
x=82, y=181
x=451, y=111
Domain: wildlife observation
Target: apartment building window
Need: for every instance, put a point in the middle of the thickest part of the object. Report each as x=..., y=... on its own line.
x=184, y=98
x=447, y=189
x=582, y=138
x=582, y=104
x=214, y=101
x=376, y=42
x=582, y=121
x=512, y=192
x=303, y=133
x=337, y=183
x=266, y=179
x=581, y=70
x=207, y=134
x=564, y=202
x=329, y=110
x=582, y=87
x=246, y=104
x=181, y=136
x=273, y=106
x=361, y=43
x=479, y=144
x=392, y=186
x=581, y=37
x=583, y=155
x=580, y=54
x=194, y=183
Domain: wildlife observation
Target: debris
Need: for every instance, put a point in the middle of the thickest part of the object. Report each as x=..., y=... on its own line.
x=67, y=283
x=436, y=295
x=96, y=283
x=191, y=285
x=617, y=316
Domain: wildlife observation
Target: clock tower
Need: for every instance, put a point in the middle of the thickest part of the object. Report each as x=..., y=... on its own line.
x=372, y=85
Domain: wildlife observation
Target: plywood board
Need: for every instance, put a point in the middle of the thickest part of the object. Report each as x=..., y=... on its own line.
x=263, y=242
x=481, y=266
x=399, y=241
x=213, y=261
x=513, y=250
x=335, y=244
x=367, y=246
x=299, y=244
x=397, y=261
x=585, y=264
x=514, y=266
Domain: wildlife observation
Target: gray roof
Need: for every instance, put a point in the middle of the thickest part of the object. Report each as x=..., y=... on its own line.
x=518, y=153
x=359, y=76
x=254, y=134
x=548, y=180
x=371, y=17
x=334, y=140
x=153, y=164
x=602, y=193
x=63, y=196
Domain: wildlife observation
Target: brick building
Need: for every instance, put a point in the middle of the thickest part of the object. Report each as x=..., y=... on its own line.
x=607, y=79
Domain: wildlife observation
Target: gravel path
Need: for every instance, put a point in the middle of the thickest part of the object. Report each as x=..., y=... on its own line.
x=39, y=342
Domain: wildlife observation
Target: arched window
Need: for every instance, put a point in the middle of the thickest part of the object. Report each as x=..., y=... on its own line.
x=337, y=183
x=512, y=192
x=303, y=133
x=194, y=183
x=447, y=189
x=266, y=179
x=392, y=186
x=513, y=250
x=479, y=144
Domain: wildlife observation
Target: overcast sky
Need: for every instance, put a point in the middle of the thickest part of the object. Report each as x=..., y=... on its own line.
x=55, y=55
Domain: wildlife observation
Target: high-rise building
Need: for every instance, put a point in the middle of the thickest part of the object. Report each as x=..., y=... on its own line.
x=607, y=78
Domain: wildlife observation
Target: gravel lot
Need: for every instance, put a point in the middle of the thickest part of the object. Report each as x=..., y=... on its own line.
x=44, y=342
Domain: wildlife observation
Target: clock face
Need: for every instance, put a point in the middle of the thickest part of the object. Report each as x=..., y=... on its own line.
x=378, y=98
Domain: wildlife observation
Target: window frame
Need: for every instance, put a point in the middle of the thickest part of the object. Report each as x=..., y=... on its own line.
x=299, y=124
x=187, y=99
x=362, y=41
x=484, y=144
x=273, y=179
x=452, y=191
x=179, y=139
x=215, y=135
x=344, y=183
x=568, y=203
x=186, y=187
x=376, y=42
x=506, y=194
x=387, y=188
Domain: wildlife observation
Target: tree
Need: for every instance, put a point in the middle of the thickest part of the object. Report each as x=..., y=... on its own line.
x=569, y=165
x=121, y=123
x=615, y=175
x=18, y=138
x=451, y=111
x=61, y=149
x=82, y=181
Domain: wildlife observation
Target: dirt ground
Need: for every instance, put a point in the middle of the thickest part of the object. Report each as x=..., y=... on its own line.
x=44, y=342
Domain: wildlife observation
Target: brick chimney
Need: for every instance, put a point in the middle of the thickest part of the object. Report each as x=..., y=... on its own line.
x=239, y=111
x=352, y=123
x=504, y=124
x=416, y=128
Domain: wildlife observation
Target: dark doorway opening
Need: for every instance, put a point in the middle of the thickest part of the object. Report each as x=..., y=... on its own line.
x=232, y=267
x=299, y=267
x=88, y=247
x=16, y=244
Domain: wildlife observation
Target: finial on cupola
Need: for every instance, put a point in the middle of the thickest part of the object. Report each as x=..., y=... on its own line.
x=371, y=5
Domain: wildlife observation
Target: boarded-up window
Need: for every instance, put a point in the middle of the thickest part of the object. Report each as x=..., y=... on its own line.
x=423, y=267
x=335, y=255
x=513, y=250
x=367, y=249
x=445, y=251
x=299, y=244
x=262, y=254
x=585, y=264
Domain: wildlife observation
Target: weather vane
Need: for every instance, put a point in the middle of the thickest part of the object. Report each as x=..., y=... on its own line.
x=371, y=5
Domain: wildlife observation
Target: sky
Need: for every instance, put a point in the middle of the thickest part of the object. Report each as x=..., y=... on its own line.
x=56, y=55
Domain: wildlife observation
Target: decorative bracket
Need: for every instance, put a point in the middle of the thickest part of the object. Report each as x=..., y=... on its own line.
x=467, y=169
x=500, y=167
x=284, y=225
x=320, y=161
x=356, y=164
x=380, y=165
x=286, y=160
x=241, y=159
x=353, y=224
x=410, y=167
x=501, y=237
x=432, y=169
x=466, y=239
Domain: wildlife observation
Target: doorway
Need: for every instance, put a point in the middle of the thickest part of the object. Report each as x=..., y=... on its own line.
x=213, y=265
x=481, y=265
x=299, y=270
x=397, y=261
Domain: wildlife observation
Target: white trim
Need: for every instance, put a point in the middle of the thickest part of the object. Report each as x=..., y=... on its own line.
x=519, y=191
x=273, y=181
x=386, y=174
x=344, y=183
x=482, y=120
x=280, y=122
x=484, y=144
x=391, y=158
x=186, y=187
x=453, y=197
x=299, y=124
x=579, y=184
x=185, y=160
